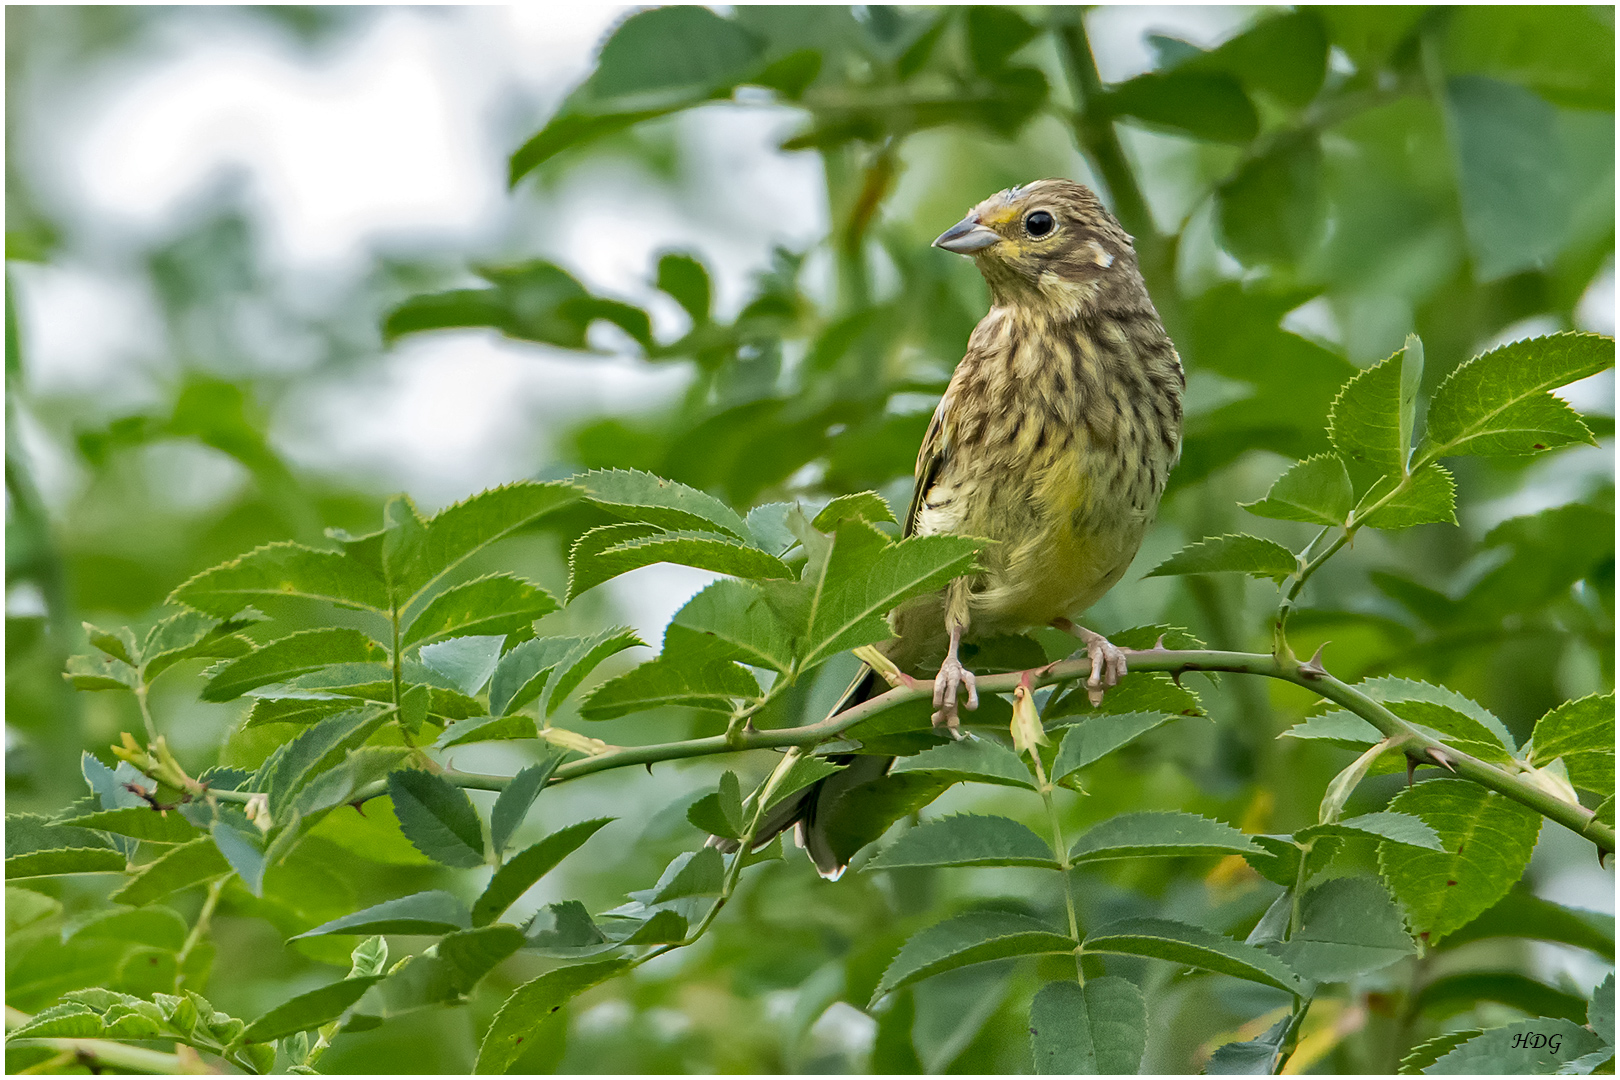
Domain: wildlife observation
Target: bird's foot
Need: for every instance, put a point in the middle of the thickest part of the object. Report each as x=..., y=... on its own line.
x=1108, y=662
x=947, y=685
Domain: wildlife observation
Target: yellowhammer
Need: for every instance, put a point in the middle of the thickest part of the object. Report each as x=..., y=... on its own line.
x=1054, y=439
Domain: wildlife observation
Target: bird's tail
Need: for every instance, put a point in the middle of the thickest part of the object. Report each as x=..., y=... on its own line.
x=804, y=812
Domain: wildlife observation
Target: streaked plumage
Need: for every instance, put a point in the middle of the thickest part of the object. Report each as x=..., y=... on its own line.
x=1055, y=439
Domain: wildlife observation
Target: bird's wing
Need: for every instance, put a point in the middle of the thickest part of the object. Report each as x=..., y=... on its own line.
x=930, y=459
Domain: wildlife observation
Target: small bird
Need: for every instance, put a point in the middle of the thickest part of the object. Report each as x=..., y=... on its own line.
x=1054, y=439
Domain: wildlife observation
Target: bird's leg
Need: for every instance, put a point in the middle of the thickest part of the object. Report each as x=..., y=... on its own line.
x=1107, y=659
x=952, y=676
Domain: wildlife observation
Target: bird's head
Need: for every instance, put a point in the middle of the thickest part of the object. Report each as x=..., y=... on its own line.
x=1051, y=242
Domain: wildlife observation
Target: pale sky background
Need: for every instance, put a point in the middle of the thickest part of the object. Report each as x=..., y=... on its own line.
x=395, y=136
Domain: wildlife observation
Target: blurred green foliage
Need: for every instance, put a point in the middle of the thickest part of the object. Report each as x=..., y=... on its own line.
x=1302, y=196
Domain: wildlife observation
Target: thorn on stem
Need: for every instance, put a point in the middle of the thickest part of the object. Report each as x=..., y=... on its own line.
x=1411, y=765
x=1438, y=756
x=1158, y=646
x=1312, y=668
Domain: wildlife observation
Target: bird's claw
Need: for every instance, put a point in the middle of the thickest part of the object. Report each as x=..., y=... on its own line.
x=1108, y=664
x=947, y=685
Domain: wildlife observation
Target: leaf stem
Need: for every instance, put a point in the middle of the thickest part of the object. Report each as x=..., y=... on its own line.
x=1061, y=849
x=146, y=712
x=200, y=927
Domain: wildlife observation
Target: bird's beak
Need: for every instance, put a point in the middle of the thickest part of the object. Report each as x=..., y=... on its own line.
x=967, y=237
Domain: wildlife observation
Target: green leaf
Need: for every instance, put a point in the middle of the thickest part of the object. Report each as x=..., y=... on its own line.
x=864, y=812
x=189, y=635
x=437, y=818
x=1251, y=1057
x=100, y=673
x=310, y=1010
x=1498, y=404
x=1316, y=490
x=720, y=813
x=1523, y=914
x=1425, y=1054
x=1180, y=943
x=563, y=929
x=685, y=279
x=699, y=873
x=703, y=550
x=532, y=1004
x=432, y=912
x=64, y=861
x=1100, y=1028
x=1386, y=825
x=472, y=954
x=866, y=506
x=466, y=662
x=581, y=660
x=1240, y=552
x=1513, y=174
x=278, y=570
x=289, y=657
x=1487, y=840
x=643, y=497
x=1564, y=54
x=119, y=644
x=67, y=1021
x=492, y=604
x=1522, y=1047
x=1430, y=498
x=661, y=928
x=485, y=729
x=973, y=759
x=587, y=569
x=549, y=669
x=712, y=687
x=512, y=805
x=730, y=620
x=1465, y=991
x=528, y=866
x=1457, y=727
x=864, y=580
x=188, y=864
x=1100, y=736
x=457, y=532
x=1159, y=833
x=1205, y=105
x=243, y=847
x=1582, y=733
x=1600, y=1014
x=1349, y=926
x=970, y=939
x=140, y=822
x=324, y=744
x=966, y=840
x=1269, y=210
x=801, y=774
x=1365, y=419
x=370, y=957
x=338, y=785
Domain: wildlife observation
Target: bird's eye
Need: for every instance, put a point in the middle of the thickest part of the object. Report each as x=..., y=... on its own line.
x=1039, y=224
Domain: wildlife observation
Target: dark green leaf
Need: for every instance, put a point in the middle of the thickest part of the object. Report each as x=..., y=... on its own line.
x=243, y=847
x=684, y=278
x=703, y=550
x=1150, y=833
x=1349, y=926
x=1487, y=840
x=100, y=673
x=699, y=873
x=1498, y=404
x=1194, y=946
x=1523, y=914
x=528, y=866
x=866, y=506
x=1100, y=736
x=190, y=863
x=1240, y=552
x=864, y=812
x=1582, y=733
x=1425, y=1054
x=512, y=805
x=493, y=604
x=324, y=744
x=643, y=497
x=64, y=861
x=1523, y=1047
x=720, y=813
x=1365, y=420
x=1205, y=105
x=277, y=570
x=970, y=939
x=730, y=620
x=532, y=1004
x=1430, y=498
x=472, y=954
x=186, y=636
x=1100, y=1028
x=433, y=912
x=587, y=569
x=289, y=657
x=437, y=817
x=1600, y=1014
x=801, y=774
x=1270, y=210
x=457, y=532
x=1316, y=490
x=310, y=1010
x=1401, y=828
x=973, y=759
x=713, y=687
x=660, y=928
x=1464, y=991
x=966, y=840
x=563, y=929
x=1564, y=54
x=486, y=729
x=140, y=822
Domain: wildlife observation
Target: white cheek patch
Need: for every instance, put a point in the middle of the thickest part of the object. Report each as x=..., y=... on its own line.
x=1101, y=255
